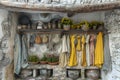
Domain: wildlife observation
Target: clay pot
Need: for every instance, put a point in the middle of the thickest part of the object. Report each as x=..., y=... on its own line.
x=53, y=63
x=43, y=62
x=38, y=39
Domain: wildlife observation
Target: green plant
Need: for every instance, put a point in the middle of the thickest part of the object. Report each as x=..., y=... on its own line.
x=44, y=58
x=52, y=59
x=49, y=59
x=66, y=21
x=55, y=59
x=84, y=23
x=33, y=58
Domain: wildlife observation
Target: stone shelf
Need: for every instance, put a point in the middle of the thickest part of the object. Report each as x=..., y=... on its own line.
x=40, y=66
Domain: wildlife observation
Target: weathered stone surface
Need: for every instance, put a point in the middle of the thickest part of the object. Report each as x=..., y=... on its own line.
x=77, y=6
x=112, y=19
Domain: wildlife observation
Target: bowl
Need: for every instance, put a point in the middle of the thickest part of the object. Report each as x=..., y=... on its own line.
x=74, y=74
x=93, y=74
x=46, y=72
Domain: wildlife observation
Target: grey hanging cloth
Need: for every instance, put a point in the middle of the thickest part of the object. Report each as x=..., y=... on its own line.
x=17, y=54
x=21, y=54
x=24, y=51
x=107, y=66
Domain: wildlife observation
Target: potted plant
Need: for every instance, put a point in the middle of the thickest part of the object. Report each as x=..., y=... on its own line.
x=94, y=25
x=84, y=25
x=66, y=22
x=43, y=60
x=33, y=59
x=53, y=60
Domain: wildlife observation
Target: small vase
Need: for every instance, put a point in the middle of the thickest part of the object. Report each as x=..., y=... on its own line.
x=85, y=28
x=66, y=27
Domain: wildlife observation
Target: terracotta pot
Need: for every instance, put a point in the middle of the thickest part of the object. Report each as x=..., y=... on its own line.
x=43, y=62
x=33, y=62
x=53, y=63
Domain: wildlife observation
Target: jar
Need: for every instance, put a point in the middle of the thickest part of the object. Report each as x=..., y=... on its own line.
x=49, y=25
x=66, y=27
x=59, y=25
x=24, y=26
x=19, y=27
x=53, y=25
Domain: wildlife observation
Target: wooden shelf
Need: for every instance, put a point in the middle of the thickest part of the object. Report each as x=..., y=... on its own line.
x=52, y=31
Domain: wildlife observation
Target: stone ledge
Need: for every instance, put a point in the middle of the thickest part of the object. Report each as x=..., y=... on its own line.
x=78, y=8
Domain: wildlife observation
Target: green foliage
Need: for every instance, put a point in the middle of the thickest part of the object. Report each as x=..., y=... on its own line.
x=96, y=23
x=33, y=58
x=44, y=58
x=66, y=21
x=53, y=59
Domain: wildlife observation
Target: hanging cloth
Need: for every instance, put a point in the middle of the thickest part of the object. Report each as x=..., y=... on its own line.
x=63, y=60
x=107, y=67
x=65, y=49
x=24, y=51
x=17, y=54
x=73, y=57
x=21, y=55
x=64, y=44
x=99, y=52
x=92, y=48
x=79, y=51
x=87, y=50
x=83, y=62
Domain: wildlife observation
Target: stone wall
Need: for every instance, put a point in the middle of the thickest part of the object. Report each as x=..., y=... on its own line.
x=3, y=15
x=112, y=22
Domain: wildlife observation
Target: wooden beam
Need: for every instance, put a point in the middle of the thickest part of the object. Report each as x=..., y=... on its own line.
x=24, y=7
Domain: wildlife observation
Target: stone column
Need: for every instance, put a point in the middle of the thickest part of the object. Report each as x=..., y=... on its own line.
x=112, y=23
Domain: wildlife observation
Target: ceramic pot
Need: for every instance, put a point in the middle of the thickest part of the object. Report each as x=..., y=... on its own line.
x=93, y=74
x=74, y=74
x=66, y=27
x=85, y=28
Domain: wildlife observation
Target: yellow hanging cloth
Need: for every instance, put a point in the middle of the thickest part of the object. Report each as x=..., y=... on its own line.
x=73, y=57
x=79, y=51
x=84, y=63
x=99, y=53
x=78, y=48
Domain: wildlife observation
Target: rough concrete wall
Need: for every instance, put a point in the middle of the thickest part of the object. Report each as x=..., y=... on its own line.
x=3, y=15
x=112, y=21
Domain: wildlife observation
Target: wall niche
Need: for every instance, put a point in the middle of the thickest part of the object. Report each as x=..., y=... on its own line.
x=42, y=40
